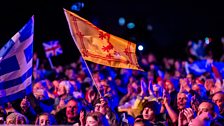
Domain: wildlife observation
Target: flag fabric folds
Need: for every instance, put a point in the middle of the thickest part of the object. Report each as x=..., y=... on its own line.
x=52, y=48
x=16, y=58
x=198, y=68
x=100, y=47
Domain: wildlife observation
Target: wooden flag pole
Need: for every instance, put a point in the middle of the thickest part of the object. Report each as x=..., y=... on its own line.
x=94, y=83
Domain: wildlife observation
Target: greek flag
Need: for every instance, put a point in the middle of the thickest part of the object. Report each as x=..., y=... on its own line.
x=16, y=58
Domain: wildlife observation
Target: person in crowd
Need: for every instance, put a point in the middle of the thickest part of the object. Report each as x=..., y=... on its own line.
x=39, y=99
x=3, y=115
x=170, y=88
x=209, y=84
x=56, y=85
x=70, y=73
x=109, y=93
x=16, y=118
x=151, y=112
x=218, y=99
x=70, y=114
x=65, y=93
x=131, y=95
x=183, y=100
x=212, y=111
x=96, y=119
x=201, y=91
x=103, y=107
x=36, y=102
x=204, y=119
x=45, y=119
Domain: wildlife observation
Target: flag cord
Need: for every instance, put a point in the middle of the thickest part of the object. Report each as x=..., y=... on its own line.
x=94, y=83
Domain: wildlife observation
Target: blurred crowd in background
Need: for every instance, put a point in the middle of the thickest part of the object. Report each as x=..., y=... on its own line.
x=168, y=92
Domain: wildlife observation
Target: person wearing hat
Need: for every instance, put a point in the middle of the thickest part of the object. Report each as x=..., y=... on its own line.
x=151, y=112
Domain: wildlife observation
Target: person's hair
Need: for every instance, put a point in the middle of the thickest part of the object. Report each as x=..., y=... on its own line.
x=186, y=93
x=68, y=86
x=100, y=118
x=153, y=105
x=219, y=92
x=15, y=115
x=51, y=118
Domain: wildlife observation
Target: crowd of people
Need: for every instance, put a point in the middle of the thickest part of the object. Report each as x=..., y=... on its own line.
x=164, y=94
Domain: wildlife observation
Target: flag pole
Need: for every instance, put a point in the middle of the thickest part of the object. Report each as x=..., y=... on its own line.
x=51, y=64
x=37, y=63
x=94, y=83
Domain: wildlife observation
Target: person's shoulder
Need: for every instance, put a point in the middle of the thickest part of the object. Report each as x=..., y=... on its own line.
x=219, y=119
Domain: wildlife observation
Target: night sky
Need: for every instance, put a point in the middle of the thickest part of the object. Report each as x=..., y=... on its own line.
x=173, y=23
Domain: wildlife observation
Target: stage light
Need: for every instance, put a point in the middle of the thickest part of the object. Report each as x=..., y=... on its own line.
x=121, y=21
x=208, y=40
x=222, y=40
x=131, y=25
x=149, y=27
x=140, y=47
x=77, y=6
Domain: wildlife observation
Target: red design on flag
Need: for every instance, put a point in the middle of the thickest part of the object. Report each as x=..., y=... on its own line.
x=104, y=35
x=108, y=47
x=109, y=56
x=128, y=52
x=52, y=48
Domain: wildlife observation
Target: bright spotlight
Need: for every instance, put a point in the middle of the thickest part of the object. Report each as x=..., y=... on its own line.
x=131, y=25
x=140, y=47
x=121, y=21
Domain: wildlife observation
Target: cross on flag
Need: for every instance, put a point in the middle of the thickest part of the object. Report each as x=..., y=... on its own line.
x=52, y=48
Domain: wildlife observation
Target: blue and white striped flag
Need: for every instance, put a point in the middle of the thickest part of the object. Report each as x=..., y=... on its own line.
x=16, y=65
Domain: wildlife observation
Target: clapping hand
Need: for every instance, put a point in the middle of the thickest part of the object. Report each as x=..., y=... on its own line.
x=143, y=88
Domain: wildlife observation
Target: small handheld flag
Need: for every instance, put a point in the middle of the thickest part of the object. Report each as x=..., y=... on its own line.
x=52, y=48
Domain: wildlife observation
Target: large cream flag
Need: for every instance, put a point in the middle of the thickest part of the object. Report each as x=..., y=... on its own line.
x=100, y=47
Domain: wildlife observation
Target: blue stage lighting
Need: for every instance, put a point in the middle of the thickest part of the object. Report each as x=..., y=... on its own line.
x=77, y=6
x=131, y=25
x=121, y=21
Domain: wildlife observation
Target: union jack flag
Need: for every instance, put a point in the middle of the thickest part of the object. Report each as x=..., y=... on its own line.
x=52, y=48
